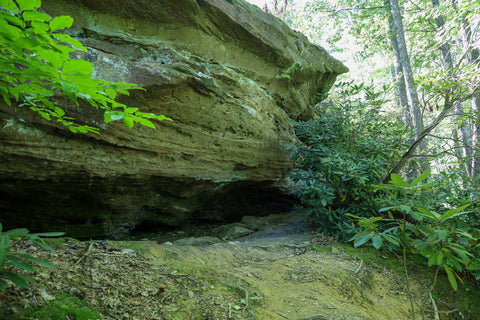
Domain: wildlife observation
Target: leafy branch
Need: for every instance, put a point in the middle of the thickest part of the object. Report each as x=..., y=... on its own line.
x=36, y=64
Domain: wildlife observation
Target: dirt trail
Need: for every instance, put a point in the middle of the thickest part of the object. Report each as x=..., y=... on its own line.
x=271, y=274
x=286, y=278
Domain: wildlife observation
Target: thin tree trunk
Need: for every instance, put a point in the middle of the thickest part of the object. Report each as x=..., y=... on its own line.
x=397, y=73
x=462, y=150
x=406, y=67
x=473, y=57
x=425, y=131
x=412, y=94
x=401, y=96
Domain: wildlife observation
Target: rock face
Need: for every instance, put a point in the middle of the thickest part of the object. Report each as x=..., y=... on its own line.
x=229, y=75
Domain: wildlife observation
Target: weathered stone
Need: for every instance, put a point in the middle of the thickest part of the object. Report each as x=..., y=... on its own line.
x=197, y=241
x=221, y=70
x=232, y=231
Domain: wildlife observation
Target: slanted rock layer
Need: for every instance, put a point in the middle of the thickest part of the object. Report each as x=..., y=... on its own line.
x=229, y=75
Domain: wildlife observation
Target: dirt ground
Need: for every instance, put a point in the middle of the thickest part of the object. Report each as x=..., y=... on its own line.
x=273, y=274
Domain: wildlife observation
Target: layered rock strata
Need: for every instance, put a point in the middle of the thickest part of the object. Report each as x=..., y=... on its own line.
x=229, y=75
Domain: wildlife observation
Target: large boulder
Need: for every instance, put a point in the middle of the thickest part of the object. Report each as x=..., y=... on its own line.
x=229, y=75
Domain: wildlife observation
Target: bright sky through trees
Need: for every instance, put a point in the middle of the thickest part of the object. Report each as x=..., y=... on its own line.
x=301, y=18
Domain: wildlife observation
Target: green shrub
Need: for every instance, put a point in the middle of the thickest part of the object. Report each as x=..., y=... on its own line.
x=439, y=234
x=349, y=146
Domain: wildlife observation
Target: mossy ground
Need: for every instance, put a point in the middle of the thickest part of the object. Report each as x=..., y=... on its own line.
x=63, y=307
x=286, y=276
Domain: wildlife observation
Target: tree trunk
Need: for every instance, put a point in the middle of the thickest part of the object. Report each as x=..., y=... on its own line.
x=462, y=150
x=412, y=94
x=397, y=74
x=473, y=57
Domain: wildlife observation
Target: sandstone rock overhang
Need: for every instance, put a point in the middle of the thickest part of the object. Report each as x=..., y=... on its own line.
x=230, y=76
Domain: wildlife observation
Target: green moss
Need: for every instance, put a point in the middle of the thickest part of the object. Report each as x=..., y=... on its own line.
x=287, y=73
x=64, y=307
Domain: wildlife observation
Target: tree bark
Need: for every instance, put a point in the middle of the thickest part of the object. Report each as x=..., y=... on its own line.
x=397, y=74
x=473, y=57
x=424, y=132
x=462, y=150
x=406, y=67
x=412, y=94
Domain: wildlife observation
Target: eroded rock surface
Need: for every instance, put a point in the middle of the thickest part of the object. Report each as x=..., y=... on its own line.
x=229, y=75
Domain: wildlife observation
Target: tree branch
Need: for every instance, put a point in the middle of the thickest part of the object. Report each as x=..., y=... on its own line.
x=448, y=106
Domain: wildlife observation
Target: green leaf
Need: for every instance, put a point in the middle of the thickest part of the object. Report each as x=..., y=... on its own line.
x=58, y=112
x=39, y=242
x=21, y=264
x=48, y=234
x=3, y=256
x=74, y=42
x=397, y=180
x=113, y=116
x=40, y=27
x=35, y=260
x=44, y=115
x=56, y=59
x=420, y=178
x=16, y=232
x=36, y=16
x=18, y=280
x=5, y=96
x=392, y=239
x=161, y=117
x=9, y=5
x=4, y=242
x=128, y=121
x=460, y=251
x=429, y=214
x=3, y=285
x=130, y=110
x=387, y=209
x=362, y=240
x=111, y=93
x=355, y=217
x=61, y=22
x=17, y=22
x=73, y=129
x=453, y=212
x=440, y=234
x=144, y=122
x=451, y=277
x=77, y=66
x=377, y=242
x=439, y=259
x=467, y=235
x=123, y=91
x=29, y=4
